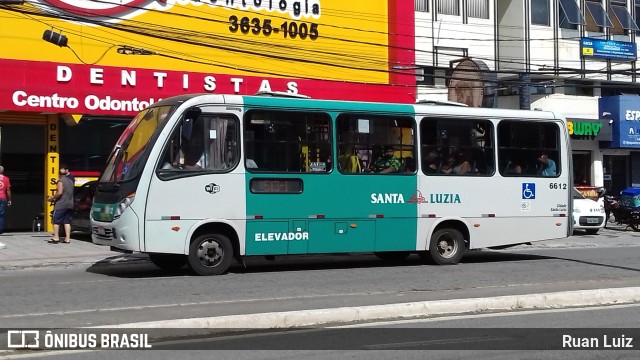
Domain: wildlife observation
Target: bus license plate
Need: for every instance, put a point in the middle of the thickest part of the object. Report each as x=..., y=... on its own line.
x=592, y=221
x=101, y=230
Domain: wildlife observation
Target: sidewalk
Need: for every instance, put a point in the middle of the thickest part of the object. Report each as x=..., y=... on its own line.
x=31, y=249
x=613, y=236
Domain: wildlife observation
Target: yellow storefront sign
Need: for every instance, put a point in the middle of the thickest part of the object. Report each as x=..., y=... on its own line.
x=329, y=39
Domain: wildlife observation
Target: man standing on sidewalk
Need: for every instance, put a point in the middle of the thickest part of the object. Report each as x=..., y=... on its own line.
x=5, y=196
x=63, y=206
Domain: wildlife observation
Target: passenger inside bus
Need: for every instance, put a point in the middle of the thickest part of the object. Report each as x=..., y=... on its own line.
x=547, y=165
x=447, y=165
x=348, y=161
x=409, y=165
x=433, y=163
x=387, y=163
x=461, y=165
x=516, y=169
x=456, y=164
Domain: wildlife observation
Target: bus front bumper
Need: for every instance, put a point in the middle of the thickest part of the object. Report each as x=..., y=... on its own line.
x=120, y=234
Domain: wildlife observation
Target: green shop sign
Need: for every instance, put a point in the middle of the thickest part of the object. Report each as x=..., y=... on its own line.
x=584, y=128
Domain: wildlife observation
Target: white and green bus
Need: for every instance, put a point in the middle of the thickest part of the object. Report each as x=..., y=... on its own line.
x=208, y=179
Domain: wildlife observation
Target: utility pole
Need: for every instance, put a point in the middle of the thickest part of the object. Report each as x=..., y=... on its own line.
x=525, y=91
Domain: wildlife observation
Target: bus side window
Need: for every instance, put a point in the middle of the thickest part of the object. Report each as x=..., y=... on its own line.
x=206, y=143
x=522, y=143
x=374, y=143
x=463, y=147
x=287, y=141
x=220, y=144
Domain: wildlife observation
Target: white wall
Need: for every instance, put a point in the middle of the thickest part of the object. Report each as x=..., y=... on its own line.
x=448, y=31
x=511, y=34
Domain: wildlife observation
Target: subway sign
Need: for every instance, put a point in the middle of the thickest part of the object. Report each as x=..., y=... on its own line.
x=584, y=128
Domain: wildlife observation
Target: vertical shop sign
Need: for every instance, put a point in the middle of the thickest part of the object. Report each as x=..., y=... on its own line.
x=52, y=165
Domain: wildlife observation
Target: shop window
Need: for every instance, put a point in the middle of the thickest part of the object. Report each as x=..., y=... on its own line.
x=622, y=20
x=85, y=146
x=521, y=144
x=363, y=139
x=577, y=88
x=597, y=19
x=431, y=76
x=478, y=9
x=449, y=7
x=422, y=5
x=637, y=6
x=540, y=12
x=616, y=173
x=287, y=141
x=570, y=15
x=457, y=147
x=581, y=168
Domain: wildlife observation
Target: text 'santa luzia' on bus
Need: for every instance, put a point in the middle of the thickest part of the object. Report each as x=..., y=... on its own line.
x=210, y=179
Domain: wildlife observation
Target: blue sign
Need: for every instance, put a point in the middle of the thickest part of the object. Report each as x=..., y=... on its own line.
x=623, y=111
x=528, y=191
x=608, y=49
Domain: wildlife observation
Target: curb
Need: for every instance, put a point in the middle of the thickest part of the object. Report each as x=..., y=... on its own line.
x=289, y=319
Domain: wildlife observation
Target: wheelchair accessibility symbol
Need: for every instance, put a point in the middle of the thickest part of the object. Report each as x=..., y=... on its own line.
x=528, y=191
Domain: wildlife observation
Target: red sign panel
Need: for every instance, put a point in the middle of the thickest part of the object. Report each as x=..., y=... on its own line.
x=83, y=89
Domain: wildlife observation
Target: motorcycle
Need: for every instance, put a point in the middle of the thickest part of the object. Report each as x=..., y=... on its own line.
x=621, y=214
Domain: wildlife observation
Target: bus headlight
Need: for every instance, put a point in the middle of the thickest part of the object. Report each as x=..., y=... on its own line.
x=123, y=205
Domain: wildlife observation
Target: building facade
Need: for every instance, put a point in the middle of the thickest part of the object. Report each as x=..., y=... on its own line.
x=75, y=72
x=576, y=57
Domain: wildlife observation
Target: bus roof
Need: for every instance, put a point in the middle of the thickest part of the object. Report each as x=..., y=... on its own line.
x=342, y=105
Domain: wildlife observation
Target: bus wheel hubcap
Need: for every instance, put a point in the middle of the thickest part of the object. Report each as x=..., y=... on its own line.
x=447, y=246
x=209, y=252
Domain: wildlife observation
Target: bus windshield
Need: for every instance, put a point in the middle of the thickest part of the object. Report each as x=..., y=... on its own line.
x=126, y=160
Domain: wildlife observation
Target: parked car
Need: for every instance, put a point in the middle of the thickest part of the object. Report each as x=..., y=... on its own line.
x=82, y=200
x=588, y=214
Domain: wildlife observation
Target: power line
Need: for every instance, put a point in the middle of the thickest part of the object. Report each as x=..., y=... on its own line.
x=135, y=30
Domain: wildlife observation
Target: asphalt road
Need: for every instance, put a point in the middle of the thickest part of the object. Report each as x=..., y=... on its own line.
x=137, y=291
x=545, y=329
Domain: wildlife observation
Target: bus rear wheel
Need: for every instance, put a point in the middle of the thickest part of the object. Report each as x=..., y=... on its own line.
x=210, y=254
x=446, y=247
x=168, y=261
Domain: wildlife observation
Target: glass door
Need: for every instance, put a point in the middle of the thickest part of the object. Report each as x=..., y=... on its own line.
x=616, y=173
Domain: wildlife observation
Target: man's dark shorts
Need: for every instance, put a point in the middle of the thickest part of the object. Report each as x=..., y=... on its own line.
x=62, y=216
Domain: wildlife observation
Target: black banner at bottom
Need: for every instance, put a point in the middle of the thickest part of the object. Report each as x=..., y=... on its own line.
x=360, y=338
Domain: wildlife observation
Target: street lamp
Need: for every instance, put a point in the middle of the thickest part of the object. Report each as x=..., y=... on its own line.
x=55, y=38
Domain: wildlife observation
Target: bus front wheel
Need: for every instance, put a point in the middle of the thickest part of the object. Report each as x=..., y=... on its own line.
x=210, y=254
x=446, y=246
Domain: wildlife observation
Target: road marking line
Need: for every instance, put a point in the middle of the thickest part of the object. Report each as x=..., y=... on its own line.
x=186, y=304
